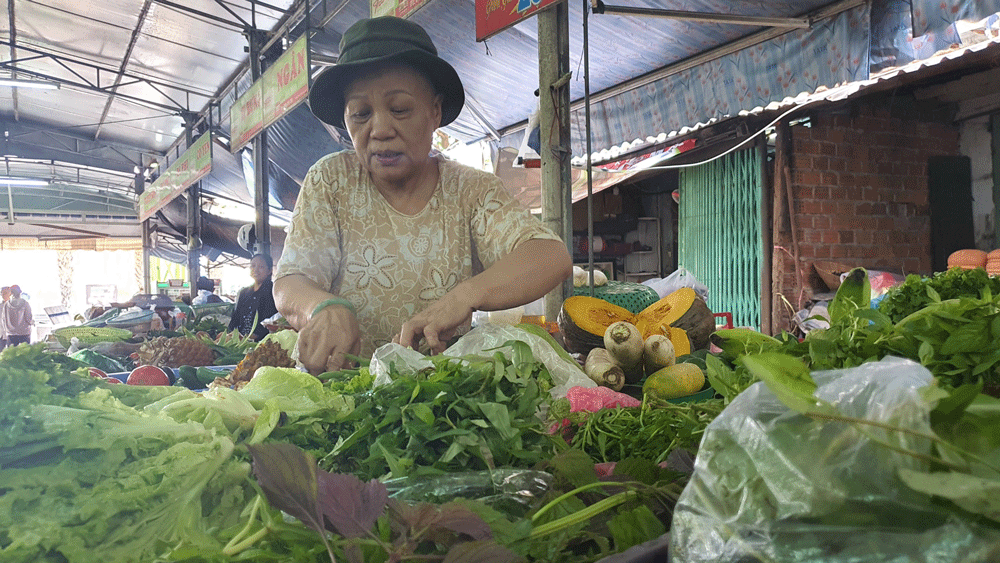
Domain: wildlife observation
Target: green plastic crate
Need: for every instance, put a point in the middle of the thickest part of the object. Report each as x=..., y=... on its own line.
x=634, y=297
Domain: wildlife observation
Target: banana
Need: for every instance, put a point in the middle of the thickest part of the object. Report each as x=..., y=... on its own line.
x=736, y=342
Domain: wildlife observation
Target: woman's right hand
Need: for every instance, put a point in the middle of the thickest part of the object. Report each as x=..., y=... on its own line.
x=330, y=334
x=324, y=337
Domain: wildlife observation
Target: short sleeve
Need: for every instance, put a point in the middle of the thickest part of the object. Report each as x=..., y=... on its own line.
x=313, y=243
x=500, y=223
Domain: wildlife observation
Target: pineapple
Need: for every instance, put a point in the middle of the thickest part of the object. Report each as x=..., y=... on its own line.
x=174, y=352
x=267, y=353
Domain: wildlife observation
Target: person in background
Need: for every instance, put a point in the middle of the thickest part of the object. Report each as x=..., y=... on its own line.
x=255, y=303
x=17, y=318
x=206, y=292
x=5, y=296
x=391, y=241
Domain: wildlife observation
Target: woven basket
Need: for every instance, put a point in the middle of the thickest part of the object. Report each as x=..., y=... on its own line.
x=830, y=272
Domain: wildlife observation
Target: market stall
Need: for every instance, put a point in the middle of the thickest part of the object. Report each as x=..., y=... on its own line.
x=720, y=445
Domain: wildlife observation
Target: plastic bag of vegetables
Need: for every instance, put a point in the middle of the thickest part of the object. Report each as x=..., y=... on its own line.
x=831, y=472
x=483, y=341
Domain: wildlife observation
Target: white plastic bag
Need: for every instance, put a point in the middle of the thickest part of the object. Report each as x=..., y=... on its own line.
x=483, y=340
x=770, y=484
x=681, y=277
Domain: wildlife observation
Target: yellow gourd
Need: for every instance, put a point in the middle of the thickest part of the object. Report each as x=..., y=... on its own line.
x=678, y=380
x=682, y=309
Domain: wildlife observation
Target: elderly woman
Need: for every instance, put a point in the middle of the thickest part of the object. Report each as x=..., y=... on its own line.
x=390, y=242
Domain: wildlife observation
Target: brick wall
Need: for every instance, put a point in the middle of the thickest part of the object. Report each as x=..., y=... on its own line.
x=859, y=179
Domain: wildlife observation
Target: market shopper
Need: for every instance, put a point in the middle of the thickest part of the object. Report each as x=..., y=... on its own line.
x=256, y=302
x=206, y=292
x=389, y=242
x=4, y=298
x=17, y=318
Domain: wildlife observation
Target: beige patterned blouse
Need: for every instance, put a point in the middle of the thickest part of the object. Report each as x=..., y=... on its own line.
x=346, y=237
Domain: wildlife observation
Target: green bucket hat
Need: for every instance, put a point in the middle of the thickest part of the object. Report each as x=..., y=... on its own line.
x=387, y=39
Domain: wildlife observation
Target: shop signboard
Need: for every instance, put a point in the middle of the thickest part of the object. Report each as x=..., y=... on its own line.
x=282, y=87
x=494, y=16
x=193, y=164
x=246, y=117
x=286, y=82
x=398, y=8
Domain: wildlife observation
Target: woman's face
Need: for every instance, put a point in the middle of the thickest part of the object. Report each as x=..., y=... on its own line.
x=391, y=115
x=259, y=270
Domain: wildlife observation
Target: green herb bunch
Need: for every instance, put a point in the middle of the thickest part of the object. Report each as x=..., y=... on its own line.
x=462, y=414
x=913, y=295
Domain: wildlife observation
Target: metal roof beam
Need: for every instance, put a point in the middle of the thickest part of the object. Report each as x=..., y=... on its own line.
x=30, y=128
x=230, y=10
x=269, y=7
x=121, y=69
x=13, y=53
x=199, y=13
x=290, y=19
x=600, y=7
x=46, y=145
x=50, y=153
x=64, y=60
x=148, y=103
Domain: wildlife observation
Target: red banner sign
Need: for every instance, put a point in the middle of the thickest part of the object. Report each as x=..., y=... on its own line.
x=494, y=16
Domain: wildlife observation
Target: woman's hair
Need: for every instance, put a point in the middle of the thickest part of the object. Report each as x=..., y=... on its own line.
x=266, y=258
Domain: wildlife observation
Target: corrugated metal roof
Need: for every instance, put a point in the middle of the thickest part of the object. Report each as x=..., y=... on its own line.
x=837, y=93
x=171, y=60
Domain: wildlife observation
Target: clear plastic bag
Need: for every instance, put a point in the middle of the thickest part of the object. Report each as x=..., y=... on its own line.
x=773, y=485
x=483, y=341
x=681, y=277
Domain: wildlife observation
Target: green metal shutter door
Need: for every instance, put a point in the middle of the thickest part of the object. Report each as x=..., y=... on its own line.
x=719, y=237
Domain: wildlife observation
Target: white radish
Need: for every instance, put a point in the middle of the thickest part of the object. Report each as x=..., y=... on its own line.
x=624, y=344
x=602, y=370
x=657, y=353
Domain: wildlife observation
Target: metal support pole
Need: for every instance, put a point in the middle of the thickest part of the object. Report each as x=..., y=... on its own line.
x=193, y=223
x=766, y=238
x=590, y=164
x=995, y=149
x=262, y=225
x=140, y=186
x=553, y=113
x=10, y=205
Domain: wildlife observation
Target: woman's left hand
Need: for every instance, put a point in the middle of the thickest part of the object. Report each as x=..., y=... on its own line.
x=437, y=324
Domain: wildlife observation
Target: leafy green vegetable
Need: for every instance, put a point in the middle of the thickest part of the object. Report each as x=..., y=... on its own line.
x=634, y=527
x=344, y=504
x=349, y=382
x=287, y=475
x=789, y=379
x=286, y=338
x=643, y=432
x=854, y=293
x=957, y=339
x=86, y=477
x=917, y=292
x=476, y=413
